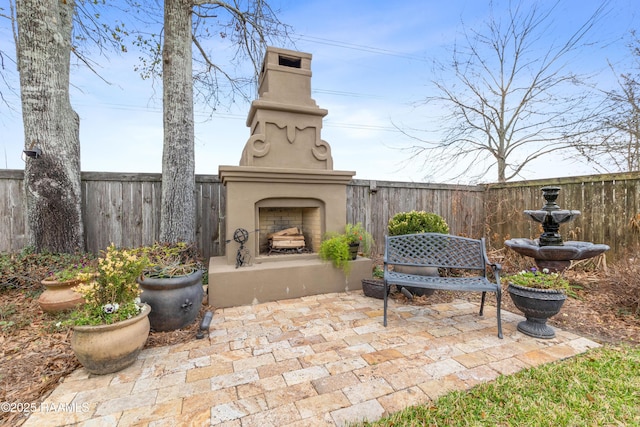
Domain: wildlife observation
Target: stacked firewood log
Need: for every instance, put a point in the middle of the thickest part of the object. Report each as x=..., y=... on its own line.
x=289, y=238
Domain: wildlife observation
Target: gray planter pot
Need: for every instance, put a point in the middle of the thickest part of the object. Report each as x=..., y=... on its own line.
x=175, y=301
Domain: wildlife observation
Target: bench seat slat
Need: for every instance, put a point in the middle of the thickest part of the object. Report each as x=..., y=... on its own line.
x=477, y=284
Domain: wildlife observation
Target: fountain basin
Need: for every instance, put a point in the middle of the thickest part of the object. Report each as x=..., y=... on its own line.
x=558, y=257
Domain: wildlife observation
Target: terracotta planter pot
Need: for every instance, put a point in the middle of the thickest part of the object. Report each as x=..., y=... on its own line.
x=538, y=305
x=104, y=349
x=175, y=302
x=59, y=296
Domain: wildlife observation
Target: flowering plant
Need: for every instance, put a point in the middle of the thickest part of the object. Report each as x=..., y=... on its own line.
x=112, y=295
x=356, y=233
x=539, y=279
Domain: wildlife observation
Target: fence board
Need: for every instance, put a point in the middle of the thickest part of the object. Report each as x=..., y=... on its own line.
x=125, y=209
x=12, y=213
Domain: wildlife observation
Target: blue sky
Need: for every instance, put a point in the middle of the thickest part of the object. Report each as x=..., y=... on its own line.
x=371, y=68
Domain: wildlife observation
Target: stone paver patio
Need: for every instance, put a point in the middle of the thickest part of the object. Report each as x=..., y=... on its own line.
x=312, y=361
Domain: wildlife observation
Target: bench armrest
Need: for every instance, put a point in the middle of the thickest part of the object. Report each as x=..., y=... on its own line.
x=497, y=268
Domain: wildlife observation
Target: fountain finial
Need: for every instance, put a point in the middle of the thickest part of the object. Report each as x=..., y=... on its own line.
x=551, y=216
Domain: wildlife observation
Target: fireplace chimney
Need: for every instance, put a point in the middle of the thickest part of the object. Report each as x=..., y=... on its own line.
x=285, y=121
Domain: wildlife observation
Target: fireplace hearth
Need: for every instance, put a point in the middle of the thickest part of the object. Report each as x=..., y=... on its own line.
x=285, y=180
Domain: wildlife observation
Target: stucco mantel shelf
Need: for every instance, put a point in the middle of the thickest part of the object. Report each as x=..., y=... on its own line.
x=261, y=105
x=283, y=175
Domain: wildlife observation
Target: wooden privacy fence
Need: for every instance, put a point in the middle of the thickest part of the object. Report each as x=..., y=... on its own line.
x=125, y=209
x=374, y=202
x=118, y=208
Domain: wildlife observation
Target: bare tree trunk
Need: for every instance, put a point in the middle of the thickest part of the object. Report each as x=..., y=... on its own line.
x=52, y=182
x=502, y=167
x=178, y=212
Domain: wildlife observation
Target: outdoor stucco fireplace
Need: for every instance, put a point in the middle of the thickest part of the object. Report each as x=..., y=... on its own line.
x=285, y=179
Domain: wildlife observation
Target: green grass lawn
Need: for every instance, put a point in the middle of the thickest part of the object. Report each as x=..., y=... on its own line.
x=597, y=388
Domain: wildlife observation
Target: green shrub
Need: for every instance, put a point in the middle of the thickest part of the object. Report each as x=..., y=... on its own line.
x=336, y=250
x=415, y=222
x=171, y=259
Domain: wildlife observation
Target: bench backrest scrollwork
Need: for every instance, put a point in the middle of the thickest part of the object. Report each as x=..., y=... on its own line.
x=436, y=250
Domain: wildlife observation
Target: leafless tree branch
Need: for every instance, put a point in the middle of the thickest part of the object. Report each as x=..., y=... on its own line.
x=618, y=145
x=505, y=104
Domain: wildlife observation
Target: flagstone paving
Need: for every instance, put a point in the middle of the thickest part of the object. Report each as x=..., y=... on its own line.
x=312, y=361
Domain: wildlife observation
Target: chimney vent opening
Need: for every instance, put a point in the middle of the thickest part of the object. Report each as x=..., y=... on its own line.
x=289, y=62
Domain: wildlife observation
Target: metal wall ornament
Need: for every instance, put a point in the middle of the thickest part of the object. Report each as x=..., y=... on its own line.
x=243, y=257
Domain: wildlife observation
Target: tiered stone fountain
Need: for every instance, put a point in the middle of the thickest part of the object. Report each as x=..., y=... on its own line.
x=549, y=250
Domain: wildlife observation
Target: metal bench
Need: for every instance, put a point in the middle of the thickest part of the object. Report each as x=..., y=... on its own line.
x=442, y=251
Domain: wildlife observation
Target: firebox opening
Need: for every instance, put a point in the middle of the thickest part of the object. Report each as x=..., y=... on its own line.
x=297, y=229
x=289, y=62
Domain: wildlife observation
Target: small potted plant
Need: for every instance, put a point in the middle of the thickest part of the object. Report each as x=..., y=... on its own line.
x=340, y=248
x=415, y=222
x=539, y=294
x=357, y=237
x=111, y=328
x=59, y=294
x=172, y=285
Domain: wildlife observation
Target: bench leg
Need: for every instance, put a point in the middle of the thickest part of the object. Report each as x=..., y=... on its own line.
x=384, y=317
x=498, y=301
x=484, y=294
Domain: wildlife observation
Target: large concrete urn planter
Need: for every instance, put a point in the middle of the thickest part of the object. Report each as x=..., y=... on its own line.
x=175, y=301
x=59, y=296
x=538, y=305
x=104, y=349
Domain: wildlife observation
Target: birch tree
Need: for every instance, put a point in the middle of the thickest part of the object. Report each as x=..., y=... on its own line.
x=506, y=100
x=248, y=25
x=52, y=181
x=178, y=210
x=47, y=33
